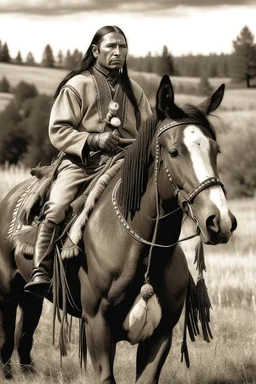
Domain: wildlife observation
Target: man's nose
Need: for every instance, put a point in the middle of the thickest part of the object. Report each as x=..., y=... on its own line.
x=117, y=51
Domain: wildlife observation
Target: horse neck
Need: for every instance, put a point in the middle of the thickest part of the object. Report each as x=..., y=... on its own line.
x=152, y=209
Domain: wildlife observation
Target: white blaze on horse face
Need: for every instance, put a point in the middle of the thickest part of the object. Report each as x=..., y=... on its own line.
x=198, y=145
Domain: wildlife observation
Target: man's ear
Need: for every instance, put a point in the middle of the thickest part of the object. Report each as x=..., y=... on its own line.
x=95, y=50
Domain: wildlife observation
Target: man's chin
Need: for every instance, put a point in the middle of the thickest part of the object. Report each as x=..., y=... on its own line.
x=116, y=65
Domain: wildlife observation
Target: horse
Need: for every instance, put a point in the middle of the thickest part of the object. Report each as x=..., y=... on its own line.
x=131, y=279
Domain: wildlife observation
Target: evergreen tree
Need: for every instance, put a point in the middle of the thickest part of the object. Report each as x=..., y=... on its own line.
x=5, y=85
x=30, y=59
x=48, y=59
x=60, y=57
x=165, y=63
x=212, y=65
x=148, y=63
x=68, y=60
x=244, y=57
x=18, y=60
x=204, y=87
x=5, y=56
x=77, y=57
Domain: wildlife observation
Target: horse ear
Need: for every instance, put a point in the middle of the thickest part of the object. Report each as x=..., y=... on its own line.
x=212, y=103
x=164, y=98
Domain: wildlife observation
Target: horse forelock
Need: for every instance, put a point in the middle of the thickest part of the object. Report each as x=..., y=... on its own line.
x=134, y=173
x=197, y=115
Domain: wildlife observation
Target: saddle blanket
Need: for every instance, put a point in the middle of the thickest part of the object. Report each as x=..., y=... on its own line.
x=23, y=227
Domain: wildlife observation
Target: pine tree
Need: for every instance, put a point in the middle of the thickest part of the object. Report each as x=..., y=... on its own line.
x=204, y=86
x=68, y=60
x=48, y=59
x=5, y=85
x=77, y=57
x=18, y=59
x=148, y=63
x=5, y=56
x=244, y=57
x=165, y=63
x=60, y=59
x=30, y=59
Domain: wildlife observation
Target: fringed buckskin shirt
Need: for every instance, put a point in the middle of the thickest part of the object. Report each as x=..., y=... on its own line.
x=77, y=112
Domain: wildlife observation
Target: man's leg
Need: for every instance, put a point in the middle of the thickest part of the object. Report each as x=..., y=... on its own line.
x=64, y=190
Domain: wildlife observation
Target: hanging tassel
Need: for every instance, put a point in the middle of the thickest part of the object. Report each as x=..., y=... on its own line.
x=199, y=258
x=203, y=303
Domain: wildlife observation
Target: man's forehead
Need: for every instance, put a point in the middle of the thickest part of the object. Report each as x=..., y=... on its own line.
x=114, y=37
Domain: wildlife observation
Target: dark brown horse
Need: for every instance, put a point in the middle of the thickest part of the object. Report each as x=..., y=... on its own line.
x=171, y=169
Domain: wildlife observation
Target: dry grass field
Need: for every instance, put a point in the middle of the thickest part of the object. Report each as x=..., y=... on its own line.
x=230, y=358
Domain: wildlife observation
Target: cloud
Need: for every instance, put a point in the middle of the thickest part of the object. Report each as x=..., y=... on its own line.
x=64, y=7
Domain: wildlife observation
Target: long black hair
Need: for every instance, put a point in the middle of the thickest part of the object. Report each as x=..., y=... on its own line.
x=89, y=60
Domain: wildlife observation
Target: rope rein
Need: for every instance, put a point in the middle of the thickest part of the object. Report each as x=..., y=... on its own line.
x=131, y=231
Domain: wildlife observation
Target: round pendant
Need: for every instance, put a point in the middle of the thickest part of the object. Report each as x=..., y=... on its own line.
x=113, y=106
x=115, y=122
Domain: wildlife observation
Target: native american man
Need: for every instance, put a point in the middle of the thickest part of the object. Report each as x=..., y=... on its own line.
x=97, y=110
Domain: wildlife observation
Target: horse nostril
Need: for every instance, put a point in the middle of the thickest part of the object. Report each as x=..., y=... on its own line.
x=212, y=224
x=234, y=224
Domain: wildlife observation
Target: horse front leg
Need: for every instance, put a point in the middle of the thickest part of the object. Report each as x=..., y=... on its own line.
x=151, y=355
x=31, y=309
x=101, y=347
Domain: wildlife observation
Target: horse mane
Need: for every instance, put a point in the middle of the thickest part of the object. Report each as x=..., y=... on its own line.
x=134, y=174
x=135, y=168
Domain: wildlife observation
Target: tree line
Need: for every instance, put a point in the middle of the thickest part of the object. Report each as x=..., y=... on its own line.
x=240, y=65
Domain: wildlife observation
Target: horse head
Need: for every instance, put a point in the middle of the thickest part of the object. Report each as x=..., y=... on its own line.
x=188, y=150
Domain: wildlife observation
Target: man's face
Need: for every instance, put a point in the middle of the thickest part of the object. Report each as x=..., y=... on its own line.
x=111, y=52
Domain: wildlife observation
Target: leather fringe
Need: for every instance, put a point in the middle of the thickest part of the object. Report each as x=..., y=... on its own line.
x=203, y=306
x=203, y=303
x=82, y=344
x=61, y=294
x=190, y=322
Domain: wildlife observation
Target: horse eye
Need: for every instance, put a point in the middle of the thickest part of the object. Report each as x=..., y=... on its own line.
x=174, y=152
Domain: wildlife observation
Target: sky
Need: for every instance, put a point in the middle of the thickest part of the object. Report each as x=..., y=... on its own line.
x=184, y=26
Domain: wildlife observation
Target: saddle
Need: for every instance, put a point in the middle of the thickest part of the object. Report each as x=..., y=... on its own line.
x=29, y=208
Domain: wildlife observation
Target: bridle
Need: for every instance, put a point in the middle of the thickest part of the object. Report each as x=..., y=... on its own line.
x=208, y=182
x=178, y=192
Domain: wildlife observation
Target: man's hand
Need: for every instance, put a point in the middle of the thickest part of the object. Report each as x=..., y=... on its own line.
x=108, y=141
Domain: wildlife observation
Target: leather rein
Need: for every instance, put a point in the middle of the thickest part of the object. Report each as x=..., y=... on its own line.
x=178, y=193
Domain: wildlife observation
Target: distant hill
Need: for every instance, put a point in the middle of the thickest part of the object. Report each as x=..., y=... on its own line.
x=47, y=79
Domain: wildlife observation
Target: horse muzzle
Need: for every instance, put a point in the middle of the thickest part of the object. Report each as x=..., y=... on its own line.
x=217, y=229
